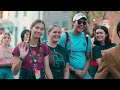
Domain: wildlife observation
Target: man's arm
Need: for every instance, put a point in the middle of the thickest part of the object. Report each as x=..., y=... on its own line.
x=88, y=55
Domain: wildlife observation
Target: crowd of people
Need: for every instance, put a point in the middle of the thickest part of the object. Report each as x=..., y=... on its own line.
x=67, y=54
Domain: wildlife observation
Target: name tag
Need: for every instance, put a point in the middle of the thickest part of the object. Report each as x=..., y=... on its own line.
x=37, y=74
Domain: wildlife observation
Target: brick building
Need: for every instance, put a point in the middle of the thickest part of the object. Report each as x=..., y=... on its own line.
x=114, y=18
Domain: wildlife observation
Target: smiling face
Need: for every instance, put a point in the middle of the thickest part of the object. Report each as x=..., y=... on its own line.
x=6, y=39
x=37, y=30
x=80, y=25
x=26, y=36
x=54, y=34
x=100, y=35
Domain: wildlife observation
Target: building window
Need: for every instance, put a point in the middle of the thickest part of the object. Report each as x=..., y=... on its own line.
x=16, y=14
x=25, y=13
x=65, y=24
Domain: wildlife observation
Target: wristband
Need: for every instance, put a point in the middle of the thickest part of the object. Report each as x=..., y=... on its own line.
x=21, y=58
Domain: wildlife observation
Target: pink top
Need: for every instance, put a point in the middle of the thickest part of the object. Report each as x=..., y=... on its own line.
x=5, y=53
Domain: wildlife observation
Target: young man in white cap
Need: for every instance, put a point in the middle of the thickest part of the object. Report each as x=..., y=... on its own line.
x=78, y=47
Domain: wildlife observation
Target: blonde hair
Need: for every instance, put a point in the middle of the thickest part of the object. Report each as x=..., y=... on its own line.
x=2, y=37
x=52, y=27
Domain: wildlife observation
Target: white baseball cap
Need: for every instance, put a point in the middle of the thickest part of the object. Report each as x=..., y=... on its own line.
x=79, y=16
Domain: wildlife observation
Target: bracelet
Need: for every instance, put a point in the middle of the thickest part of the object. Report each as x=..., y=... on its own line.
x=74, y=69
x=21, y=58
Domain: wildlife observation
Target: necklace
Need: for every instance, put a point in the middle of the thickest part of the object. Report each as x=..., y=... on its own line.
x=34, y=55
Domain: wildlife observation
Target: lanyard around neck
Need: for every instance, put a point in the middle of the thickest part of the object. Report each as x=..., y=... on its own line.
x=34, y=57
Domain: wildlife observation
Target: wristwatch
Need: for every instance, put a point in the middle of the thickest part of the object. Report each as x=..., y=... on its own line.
x=21, y=58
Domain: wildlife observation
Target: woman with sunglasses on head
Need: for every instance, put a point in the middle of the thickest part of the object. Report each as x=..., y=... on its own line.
x=32, y=58
x=78, y=48
x=60, y=65
x=6, y=57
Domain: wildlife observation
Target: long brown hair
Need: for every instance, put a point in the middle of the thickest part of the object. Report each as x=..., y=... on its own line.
x=107, y=39
x=33, y=24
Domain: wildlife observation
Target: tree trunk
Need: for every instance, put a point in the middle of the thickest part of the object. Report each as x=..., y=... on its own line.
x=104, y=15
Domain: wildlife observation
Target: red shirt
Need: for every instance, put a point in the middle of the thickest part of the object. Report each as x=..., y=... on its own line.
x=28, y=61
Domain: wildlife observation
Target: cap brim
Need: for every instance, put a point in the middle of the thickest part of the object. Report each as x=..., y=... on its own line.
x=83, y=18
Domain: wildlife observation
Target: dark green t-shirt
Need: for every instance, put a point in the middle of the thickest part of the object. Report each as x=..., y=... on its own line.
x=96, y=51
x=60, y=58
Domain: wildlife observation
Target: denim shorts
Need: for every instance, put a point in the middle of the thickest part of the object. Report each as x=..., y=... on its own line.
x=6, y=73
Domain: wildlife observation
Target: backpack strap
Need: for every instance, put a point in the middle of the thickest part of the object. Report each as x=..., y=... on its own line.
x=67, y=39
x=86, y=37
x=66, y=42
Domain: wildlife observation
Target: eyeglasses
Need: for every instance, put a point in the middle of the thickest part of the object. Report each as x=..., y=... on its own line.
x=80, y=22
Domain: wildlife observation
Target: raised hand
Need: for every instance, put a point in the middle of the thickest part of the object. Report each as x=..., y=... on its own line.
x=23, y=48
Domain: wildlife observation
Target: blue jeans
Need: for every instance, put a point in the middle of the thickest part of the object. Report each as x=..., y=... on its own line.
x=6, y=73
x=92, y=71
x=74, y=76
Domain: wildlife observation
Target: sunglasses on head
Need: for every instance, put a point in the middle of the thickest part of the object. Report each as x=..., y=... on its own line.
x=82, y=22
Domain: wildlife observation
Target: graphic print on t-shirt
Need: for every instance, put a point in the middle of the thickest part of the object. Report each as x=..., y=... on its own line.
x=58, y=59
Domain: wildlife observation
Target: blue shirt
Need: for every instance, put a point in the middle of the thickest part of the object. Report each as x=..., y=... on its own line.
x=79, y=47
